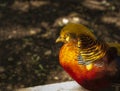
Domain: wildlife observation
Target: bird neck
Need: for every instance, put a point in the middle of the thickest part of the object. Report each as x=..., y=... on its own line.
x=92, y=50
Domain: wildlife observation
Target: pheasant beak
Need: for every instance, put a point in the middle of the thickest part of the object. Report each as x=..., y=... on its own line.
x=59, y=39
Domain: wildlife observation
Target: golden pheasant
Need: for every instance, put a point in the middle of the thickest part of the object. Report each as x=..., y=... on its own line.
x=93, y=63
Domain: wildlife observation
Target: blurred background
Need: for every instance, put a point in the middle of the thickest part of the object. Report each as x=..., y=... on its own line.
x=28, y=29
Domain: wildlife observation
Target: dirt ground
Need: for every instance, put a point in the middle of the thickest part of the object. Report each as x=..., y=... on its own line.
x=28, y=29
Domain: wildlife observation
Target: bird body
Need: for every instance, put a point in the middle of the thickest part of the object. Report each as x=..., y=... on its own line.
x=90, y=79
x=87, y=60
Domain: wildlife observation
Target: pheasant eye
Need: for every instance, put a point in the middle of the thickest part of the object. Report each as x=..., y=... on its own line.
x=67, y=38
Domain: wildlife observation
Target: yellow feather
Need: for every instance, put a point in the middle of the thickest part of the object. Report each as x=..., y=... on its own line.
x=89, y=66
x=77, y=29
